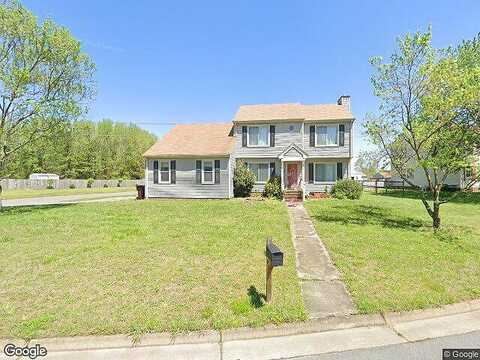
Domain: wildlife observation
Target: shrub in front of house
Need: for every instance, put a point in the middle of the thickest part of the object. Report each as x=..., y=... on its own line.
x=90, y=182
x=273, y=188
x=347, y=189
x=243, y=180
x=119, y=183
x=105, y=185
x=72, y=186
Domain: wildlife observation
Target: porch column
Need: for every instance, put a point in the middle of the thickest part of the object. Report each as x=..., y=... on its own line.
x=304, y=183
x=303, y=171
x=282, y=176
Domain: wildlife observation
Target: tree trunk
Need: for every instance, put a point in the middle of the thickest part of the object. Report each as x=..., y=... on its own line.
x=436, y=215
x=1, y=199
x=436, y=209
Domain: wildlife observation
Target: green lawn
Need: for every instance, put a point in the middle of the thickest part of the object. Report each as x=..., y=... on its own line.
x=389, y=256
x=29, y=193
x=143, y=266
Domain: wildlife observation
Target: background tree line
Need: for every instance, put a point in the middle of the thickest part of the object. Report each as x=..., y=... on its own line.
x=84, y=149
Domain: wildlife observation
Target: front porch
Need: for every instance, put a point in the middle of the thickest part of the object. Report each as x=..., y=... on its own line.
x=293, y=173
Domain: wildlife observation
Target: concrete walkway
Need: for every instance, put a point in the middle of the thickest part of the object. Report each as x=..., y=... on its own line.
x=323, y=291
x=314, y=337
x=70, y=199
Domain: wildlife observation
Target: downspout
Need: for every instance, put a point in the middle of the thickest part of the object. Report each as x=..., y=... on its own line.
x=350, y=145
x=230, y=178
x=146, y=178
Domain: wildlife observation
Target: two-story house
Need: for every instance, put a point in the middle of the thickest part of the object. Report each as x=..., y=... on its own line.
x=308, y=146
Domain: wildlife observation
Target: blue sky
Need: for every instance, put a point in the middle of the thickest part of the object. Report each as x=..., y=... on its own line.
x=162, y=62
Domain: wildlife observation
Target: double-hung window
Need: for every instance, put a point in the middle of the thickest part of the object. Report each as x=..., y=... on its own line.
x=325, y=172
x=261, y=171
x=326, y=135
x=259, y=136
x=207, y=172
x=164, y=172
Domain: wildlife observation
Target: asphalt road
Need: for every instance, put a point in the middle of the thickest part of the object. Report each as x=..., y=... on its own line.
x=421, y=350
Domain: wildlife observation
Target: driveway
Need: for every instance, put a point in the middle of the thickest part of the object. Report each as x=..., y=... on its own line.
x=70, y=199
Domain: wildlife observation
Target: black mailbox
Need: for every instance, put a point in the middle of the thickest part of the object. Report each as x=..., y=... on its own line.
x=274, y=254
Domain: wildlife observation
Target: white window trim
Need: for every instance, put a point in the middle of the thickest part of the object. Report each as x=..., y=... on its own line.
x=213, y=172
x=337, y=140
x=258, y=146
x=160, y=171
x=324, y=163
x=261, y=162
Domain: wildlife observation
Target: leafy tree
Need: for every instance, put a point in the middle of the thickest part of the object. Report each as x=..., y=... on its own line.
x=428, y=118
x=45, y=79
x=369, y=162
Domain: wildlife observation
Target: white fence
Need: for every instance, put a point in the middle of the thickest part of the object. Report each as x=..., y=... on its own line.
x=11, y=184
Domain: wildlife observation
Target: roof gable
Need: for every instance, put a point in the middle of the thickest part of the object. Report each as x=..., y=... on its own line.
x=292, y=151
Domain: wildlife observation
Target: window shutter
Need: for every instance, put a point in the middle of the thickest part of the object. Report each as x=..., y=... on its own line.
x=272, y=169
x=312, y=135
x=339, y=171
x=272, y=135
x=244, y=136
x=198, y=173
x=217, y=171
x=173, y=172
x=341, y=135
x=310, y=173
x=155, y=172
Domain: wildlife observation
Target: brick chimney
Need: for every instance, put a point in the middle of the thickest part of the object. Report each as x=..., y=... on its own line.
x=344, y=100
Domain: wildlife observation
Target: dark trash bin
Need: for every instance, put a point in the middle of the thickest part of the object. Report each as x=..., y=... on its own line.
x=140, y=192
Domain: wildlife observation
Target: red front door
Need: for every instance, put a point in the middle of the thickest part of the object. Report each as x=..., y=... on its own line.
x=292, y=176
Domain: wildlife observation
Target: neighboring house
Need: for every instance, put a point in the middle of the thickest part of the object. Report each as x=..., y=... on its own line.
x=382, y=175
x=459, y=180
x=308, y=146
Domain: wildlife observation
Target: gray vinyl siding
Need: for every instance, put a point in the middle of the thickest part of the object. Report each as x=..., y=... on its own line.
x=260, y=187
x=325, y=186
x=186, y=186
x=283, y=138
x=299, y=135
x=328, y=151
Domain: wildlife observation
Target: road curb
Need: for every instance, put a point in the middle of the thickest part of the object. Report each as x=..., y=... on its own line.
x=309, y=326
x=401, y=327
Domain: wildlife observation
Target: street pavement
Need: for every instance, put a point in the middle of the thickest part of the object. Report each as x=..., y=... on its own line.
x=421, y=350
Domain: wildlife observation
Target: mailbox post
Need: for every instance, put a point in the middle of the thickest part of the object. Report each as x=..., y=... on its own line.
x=274, y=257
